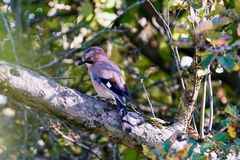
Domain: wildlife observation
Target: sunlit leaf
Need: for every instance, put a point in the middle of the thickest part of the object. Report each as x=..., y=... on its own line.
x=130, y=154
x=212, y=34
x=105, y=18
x=186, y=61
x=108, y=3
x=238, y=30
x=231, y=131
x=219, y=69
x=217, y=9
x=221, y=137
x=147, y=152
x=203, y=72
x=86, y=8
x=236, y=67
x=198, y=157
x=227, y=62
x=182, y=43
x=182, y=154
x=221, y=21
x=204, y=26
x=221, y=41
x=232, y=110
x=206, y=60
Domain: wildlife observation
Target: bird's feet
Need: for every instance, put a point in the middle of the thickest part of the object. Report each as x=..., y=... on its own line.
x=108, y=100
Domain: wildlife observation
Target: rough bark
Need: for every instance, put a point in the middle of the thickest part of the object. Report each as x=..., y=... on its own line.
x=46, y=95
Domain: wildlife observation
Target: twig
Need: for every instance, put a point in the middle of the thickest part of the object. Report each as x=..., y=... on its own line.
x=221, y=50
x=210, y=102
x=174, y=49
x=146, y=94
x=70, y=30
x=76, y=142
x=137, y=3
x=194, y=123
x=11, y=38
x=202, y=116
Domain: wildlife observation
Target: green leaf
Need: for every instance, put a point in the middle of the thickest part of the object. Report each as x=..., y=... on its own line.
x=221, y=21
x=196, y=5
x=166, y=145
x=221, y=137
x=206, y=146
x=219, y=9
x=206, y=60
x=105, y=18
x=226, y=122
x=225, y=147
x=86, y=8
x=198, y=156
x=103, y=140
x=237, y=141
x=232, y=111
x=194, y=144
x=227, y=62
x=130, y=154
x=203, y=72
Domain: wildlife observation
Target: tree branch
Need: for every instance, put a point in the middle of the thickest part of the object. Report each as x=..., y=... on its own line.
x=96, y=116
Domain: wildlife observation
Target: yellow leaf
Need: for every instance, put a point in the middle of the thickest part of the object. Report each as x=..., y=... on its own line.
x=147, y=152
x=171, y=158
x=236, y=67
x=182, y=154
x=231, y=131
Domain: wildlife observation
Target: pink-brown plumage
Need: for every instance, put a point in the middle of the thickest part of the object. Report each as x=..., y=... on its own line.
x=108, y=81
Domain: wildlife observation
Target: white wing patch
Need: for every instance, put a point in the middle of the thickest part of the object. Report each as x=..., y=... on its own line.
x=109, y=85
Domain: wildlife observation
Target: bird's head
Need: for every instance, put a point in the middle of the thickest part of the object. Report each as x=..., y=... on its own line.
x=92, y=54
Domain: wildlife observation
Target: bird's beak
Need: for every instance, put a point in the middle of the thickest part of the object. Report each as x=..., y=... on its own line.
x=78, y=63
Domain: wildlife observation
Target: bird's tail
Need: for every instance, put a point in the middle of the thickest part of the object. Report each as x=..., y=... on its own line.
x=123, y=112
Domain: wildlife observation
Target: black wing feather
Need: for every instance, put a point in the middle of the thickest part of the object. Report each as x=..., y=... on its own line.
x=114, y=87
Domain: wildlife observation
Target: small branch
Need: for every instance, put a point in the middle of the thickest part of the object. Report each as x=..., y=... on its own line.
x=188, y=100
x=174, y=49
x=202, y=114
x=210, y=102
x=221, y=50
x=75, y=142
x=74, y=28
x=11, y=37
x=44, y=94
x=146, y=94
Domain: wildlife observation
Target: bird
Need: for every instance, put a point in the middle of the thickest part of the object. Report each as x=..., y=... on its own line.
x=108, y=82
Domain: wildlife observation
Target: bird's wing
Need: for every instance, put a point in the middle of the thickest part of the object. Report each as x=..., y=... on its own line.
x=110, y=78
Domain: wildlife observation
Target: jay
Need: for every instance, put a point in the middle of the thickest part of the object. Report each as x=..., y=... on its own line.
x=108, y=81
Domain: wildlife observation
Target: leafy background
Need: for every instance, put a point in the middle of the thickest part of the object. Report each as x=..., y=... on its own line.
x=48, y=35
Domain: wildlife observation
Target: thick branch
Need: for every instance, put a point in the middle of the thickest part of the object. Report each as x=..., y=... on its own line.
x=46, y=95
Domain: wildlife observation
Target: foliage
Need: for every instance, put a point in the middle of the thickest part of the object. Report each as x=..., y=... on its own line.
x=47, y=36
